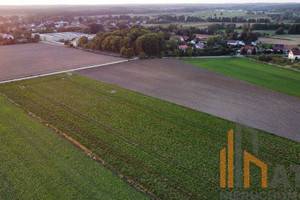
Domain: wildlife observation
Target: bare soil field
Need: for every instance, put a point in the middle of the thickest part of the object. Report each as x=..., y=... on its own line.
x=206, y=91
x=284, y=40
x=18, y=61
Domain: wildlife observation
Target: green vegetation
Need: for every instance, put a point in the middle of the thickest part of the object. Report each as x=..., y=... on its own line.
x=230, y=14
x=171, y=150
x=271, y=77
x=127, y=42
x=37, y=163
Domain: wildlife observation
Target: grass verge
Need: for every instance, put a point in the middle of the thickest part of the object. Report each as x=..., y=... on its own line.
x=281, y=80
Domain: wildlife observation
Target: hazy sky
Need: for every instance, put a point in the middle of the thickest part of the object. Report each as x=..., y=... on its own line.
x=77, y=2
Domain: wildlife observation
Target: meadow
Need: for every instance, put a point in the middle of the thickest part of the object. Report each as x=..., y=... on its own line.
x=286, y=39
x=229, y=14
x=281, y=80
x=37, y=163
x=169, y=149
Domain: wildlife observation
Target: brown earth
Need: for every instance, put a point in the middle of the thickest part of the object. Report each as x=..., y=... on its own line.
x=207, y=91
x=18, y=61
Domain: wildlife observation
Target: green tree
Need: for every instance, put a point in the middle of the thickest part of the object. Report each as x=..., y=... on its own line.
x=176, y=53
x=142, y=55
x=280, y=31
x=210, y=42
x=189, y=51
x=244, y=51
x=93, y=28
x=172, y=45
x=106, y=43
x=151, y=43
x=123, y=51
x=83, y=40
x=129, y=53
x=36, y=38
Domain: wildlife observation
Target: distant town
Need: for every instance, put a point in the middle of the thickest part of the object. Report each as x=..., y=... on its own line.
x=140, y=102
x=269, y=34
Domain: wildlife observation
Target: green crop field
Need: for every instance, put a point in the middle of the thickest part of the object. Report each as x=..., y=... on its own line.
x=169, y=149
x=271, y=77
x=36, y=163
x=229, y=14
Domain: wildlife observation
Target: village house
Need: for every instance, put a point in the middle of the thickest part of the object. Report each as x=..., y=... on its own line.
x=177, y=38
x=294, y=55
x=185, y=37
x=6, y=36
x=183, y=47
x=281, y=48
x=203, y=36
x=249, y=49
x=235, y=43
x=199, y=45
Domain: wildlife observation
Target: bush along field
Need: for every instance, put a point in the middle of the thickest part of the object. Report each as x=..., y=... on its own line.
x=171, y=150
x=275, y=78
x=37, y=163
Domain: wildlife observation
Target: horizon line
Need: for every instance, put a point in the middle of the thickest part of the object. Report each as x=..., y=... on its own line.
x=148, y=3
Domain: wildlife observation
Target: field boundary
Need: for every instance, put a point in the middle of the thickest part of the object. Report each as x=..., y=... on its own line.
x=279, y=66
x=89, y=153
x=196, y=57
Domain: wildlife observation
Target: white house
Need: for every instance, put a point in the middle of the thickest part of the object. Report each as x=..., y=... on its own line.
x=6, y=36
x=75, y=42
x=294, y=55
x=235, y=43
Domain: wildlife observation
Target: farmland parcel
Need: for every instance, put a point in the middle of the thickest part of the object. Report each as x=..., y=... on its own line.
x=170, y=149
x=271, y=77
x=209, y=92
x=36, y=163
x=18, y=61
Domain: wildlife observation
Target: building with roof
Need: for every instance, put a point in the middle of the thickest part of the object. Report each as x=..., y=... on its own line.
x=183, y=47
x=203, y=36
x=249, y=49
x=63, y=36
x=235, y=43
x=294, y=55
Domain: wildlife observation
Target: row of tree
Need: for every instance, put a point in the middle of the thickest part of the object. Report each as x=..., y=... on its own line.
x=137, y=41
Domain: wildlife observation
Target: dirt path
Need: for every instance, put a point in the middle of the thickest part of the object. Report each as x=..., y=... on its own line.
x=207, y=91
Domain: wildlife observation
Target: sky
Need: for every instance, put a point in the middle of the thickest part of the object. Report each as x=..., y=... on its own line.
x=91, y=2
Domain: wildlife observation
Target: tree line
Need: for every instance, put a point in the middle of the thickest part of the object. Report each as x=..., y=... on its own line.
x=127, y=42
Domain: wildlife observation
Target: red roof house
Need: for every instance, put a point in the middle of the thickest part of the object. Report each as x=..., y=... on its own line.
x=249, y=49
x=183, y=47
x=203, y=36
x=294, y=55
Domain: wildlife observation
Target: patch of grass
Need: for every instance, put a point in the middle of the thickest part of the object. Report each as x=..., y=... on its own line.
x=287, y=36
x=228, y=14
x=171, y=150
x=271, y=77
x=270, y=32
x=36, y=163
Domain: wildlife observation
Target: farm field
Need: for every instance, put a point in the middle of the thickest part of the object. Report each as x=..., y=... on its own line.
x=171, y=150
x=17, y=61
x=37, y=163
x=270, y=32
x=229, y=14
x=271, y=77
x=282, y=39
x=204, y=90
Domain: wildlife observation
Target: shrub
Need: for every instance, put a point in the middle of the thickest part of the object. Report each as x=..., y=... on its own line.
x=142, y=55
